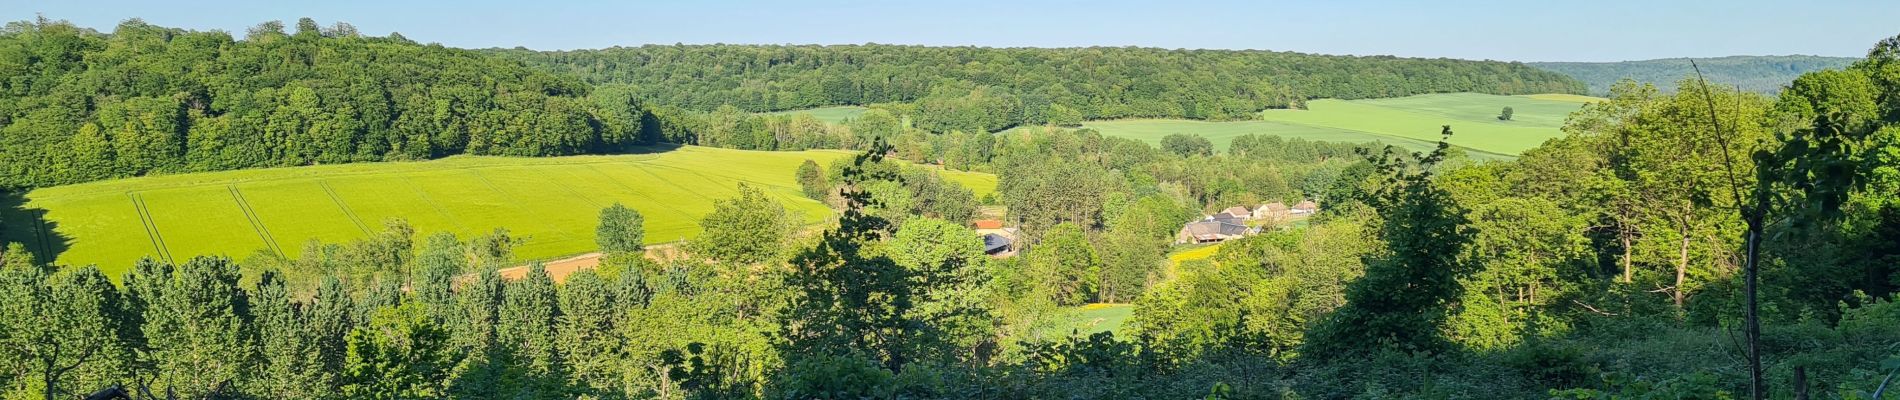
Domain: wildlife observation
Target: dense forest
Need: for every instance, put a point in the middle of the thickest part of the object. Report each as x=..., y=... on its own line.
x=1761, y=74
x=987, y=89
x=83, y=105
x=80, y=105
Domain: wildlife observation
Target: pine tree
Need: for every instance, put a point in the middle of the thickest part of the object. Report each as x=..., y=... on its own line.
x=526, y=330
x=194, y=330
x=586, y=328
x=290, y=365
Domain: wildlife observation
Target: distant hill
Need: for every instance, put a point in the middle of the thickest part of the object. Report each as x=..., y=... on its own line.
x=1765, y=74
x=990, y=89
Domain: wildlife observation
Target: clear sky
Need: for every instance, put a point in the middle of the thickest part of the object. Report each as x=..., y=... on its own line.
x=1521, y=30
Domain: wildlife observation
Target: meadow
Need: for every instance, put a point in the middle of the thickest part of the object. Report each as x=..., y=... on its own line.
x=834, y=114
x=1090, y=319
x=1412, y=122
x=550, y=203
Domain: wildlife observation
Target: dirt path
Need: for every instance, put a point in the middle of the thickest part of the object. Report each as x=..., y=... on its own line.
x=557, y=269
x=560, y=269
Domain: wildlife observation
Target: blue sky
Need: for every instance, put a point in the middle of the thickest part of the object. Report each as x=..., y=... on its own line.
x=1521, y=30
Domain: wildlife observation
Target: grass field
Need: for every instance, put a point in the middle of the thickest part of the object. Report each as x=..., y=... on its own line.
x=1411, y=122
x=1090, y=319
x=980, y=184
x=551, y=202
x=835, y=114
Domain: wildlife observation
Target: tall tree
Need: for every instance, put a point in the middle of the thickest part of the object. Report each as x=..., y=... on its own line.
x=811, y=179
x=526, y=331
x=399, y=354
x=589, y=310
x=54, y=324
x=1065, y=265
x=621, y=230
x=1400, y=302
x=289, y=365
x=750, y=228
x=194, y=330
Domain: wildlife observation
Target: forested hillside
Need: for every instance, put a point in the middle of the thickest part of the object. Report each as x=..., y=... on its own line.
x=1708, y=243
x=1761, y=74
x=978, y=88
x=78, y=105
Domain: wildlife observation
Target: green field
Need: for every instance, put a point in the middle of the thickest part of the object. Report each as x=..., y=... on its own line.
x=980, y=184
x=551, y=202
x=835, y=114
x=1411, y=122
x=1090, y=319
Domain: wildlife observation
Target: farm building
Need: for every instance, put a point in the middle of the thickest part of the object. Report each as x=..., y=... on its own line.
x=1226, y=218
x=996, y=245
x=999, y=242
x=1305, y=208
x=988, y=224
x=1240, y=212
x=1210, y=230
x=1274, y=211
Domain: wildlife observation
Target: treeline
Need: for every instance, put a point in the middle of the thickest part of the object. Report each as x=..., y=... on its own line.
x=80, y=105
x=988, y=89
x=1760, y=74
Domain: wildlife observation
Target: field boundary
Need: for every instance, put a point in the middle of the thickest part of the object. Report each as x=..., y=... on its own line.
x=151, y=227
x=257, y=224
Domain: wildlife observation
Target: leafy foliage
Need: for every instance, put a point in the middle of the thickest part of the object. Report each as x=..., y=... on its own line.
x=620, y=230
x=974, y=89
x=144, y=99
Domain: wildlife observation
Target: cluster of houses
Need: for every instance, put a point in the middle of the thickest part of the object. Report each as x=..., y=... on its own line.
x=1240, y=221
x=1234, y=222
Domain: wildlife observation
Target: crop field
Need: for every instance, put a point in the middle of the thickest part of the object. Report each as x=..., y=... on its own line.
x=552, y=203
x=1411, y=122
x=836, y=114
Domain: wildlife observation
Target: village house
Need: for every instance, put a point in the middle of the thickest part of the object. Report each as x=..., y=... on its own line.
x=1272, y=212
x=1217, y=228
x=1239, y=212
x=1307, y=207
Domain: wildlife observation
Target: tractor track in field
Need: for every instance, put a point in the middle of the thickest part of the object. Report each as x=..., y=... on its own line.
x=656, y=177
x=707, y=176
x=562, y=183
x=411, y=183
x=40, y=236
x=151, y=226
x=345, y=207
x=257, y=223
x=635, y=192
x=516, y=204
